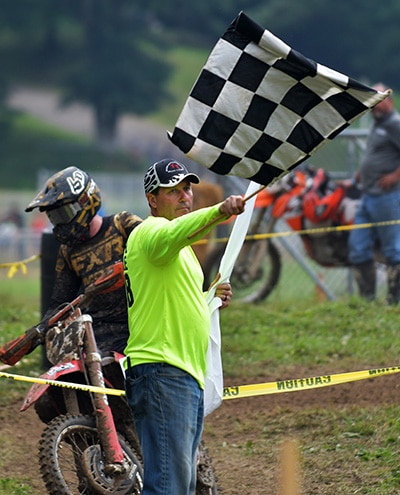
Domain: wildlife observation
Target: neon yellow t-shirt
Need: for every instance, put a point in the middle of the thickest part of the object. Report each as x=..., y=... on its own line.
x=169, y=319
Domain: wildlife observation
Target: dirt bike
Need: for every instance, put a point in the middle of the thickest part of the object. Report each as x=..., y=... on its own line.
x=89, y=445
x=305, y=199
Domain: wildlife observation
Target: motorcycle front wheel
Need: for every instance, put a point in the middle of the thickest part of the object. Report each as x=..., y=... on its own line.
x=71, y=460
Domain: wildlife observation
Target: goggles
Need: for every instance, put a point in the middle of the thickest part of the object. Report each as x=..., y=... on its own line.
x=63, y=214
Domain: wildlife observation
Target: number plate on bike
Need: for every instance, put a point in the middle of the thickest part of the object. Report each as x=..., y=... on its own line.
x=63, y=343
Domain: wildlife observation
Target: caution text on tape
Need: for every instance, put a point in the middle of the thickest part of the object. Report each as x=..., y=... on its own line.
x=298, y=384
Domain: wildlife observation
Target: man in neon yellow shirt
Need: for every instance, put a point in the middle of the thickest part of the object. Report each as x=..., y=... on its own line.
x=169, y=325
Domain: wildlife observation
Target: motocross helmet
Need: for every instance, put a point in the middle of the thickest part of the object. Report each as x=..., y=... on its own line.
x=71, y=199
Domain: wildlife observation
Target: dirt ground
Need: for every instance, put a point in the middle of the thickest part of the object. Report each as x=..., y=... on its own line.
x=238, y=474
x=236, y=423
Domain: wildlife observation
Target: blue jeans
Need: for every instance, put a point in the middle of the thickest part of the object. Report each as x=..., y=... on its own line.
x=362, y=241
x=168, y=411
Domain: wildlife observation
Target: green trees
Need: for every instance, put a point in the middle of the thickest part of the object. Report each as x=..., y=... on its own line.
x=358, y=37
x=120, y=67
x=101, y=52
x=111, y=53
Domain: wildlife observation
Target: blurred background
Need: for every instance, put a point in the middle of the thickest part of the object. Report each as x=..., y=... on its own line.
x=98, y=83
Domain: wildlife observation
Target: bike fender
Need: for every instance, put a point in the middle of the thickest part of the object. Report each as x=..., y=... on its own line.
x=118, y=356
x=264, y=199
x=54, y=373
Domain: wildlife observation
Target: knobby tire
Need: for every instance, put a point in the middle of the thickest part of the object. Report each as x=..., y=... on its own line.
x=60, y=457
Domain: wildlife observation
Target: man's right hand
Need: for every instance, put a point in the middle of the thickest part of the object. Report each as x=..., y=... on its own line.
x=233, y=205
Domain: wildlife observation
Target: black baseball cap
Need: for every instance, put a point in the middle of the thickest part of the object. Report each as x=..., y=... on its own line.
x=167, y=173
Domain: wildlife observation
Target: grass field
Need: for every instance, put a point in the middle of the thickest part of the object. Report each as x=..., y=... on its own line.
x=275, y=338
x=295, y=333
x=344, y=450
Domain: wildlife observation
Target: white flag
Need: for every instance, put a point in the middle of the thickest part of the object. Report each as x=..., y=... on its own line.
x=214, y=377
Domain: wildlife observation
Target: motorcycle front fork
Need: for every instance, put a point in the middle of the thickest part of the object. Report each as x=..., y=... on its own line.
x=114, y=455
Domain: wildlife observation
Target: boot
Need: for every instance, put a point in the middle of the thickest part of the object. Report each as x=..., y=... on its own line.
x=365, y=276
x=393, y=278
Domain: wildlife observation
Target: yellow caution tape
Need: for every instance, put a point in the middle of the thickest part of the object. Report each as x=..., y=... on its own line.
x=315, y=230
x=14, y=266
x=235, y=392
x=76, y=386
x=321, y=230
x=298, y=384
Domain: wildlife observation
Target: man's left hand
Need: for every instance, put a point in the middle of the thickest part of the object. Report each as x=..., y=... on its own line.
x=224, y=292
x=387, y=181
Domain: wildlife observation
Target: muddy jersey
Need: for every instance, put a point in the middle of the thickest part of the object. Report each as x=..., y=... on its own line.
x=78, y=266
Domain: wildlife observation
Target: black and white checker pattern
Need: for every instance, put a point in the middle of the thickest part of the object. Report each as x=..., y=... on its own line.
x=259, y=108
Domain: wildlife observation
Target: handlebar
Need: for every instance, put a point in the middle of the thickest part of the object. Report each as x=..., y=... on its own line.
x=112, y=279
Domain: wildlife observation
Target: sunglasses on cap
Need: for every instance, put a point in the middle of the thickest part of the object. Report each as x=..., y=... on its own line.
x=63, y=214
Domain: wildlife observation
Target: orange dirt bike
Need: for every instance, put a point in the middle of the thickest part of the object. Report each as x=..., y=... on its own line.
x=89, y=445
x=304, y=199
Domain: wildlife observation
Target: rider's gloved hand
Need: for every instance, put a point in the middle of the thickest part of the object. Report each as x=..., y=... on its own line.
x=11, y=352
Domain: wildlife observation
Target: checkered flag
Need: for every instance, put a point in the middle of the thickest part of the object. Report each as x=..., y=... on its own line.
x=259, y=108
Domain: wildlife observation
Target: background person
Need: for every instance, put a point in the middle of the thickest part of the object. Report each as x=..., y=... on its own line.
x=12, y=231
x=169, y=322
x=379, y=179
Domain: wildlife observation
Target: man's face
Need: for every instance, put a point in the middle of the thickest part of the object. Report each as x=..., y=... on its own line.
x=172, y=202
x=383, y=108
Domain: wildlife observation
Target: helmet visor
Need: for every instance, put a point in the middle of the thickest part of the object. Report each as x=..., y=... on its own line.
x=63, y=214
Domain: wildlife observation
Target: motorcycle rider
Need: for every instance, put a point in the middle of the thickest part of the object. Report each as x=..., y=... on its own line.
x=89, y=243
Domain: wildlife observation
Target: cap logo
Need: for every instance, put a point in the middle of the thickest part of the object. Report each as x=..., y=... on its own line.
x=174, y=167
x=77, y=182
x=166, y=173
